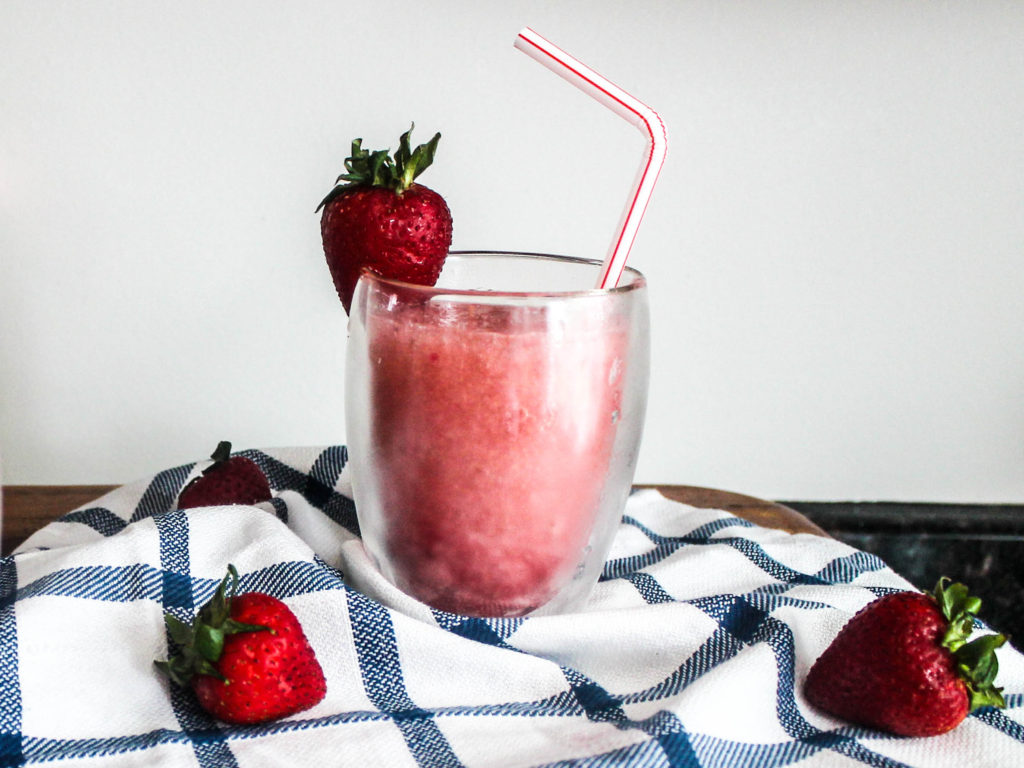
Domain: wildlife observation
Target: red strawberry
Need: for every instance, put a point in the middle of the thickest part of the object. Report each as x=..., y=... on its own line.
x=229, y=480
x=903, y=664
x=380, y=220
x=246, y=657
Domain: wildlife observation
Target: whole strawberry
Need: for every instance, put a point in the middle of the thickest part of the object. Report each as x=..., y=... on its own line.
x=246, y=657
x=229, y=480
x=376, y=218
x=903, y=664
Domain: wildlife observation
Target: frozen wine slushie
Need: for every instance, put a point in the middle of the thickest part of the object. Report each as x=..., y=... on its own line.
x=495, y=435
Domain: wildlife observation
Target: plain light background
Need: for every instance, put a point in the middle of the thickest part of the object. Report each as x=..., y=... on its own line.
x=835, y=247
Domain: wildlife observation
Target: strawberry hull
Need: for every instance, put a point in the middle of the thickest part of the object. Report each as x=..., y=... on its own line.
x=495, y=448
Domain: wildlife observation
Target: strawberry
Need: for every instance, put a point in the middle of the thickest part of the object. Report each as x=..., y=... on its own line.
x=246, y=657
x=376, y=218
x=229, y=480
x=903, y=664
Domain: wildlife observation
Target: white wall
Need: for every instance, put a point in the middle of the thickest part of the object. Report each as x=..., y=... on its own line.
x=834, y=248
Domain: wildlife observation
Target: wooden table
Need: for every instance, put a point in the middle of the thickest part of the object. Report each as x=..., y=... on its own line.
x=27, y=508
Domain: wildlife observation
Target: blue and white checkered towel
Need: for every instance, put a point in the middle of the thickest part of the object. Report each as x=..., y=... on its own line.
x=691, y=651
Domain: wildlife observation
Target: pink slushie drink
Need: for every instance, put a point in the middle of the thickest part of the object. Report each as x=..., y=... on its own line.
x=492, y=437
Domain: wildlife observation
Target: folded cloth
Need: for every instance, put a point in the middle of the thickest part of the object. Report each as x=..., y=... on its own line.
x=691, y=651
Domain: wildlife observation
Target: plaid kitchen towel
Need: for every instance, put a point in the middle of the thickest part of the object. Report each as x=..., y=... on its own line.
x=691, y=651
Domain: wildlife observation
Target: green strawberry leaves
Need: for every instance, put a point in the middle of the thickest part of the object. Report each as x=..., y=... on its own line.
x=201, y=644
x=976, y=659
x=372, y=169
x=978, y=665
x=410, y=163
x=379, y=169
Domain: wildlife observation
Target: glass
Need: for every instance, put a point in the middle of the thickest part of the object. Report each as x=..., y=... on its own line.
x=494, y=422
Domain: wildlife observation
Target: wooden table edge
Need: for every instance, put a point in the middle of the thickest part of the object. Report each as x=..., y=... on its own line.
x=769, y=514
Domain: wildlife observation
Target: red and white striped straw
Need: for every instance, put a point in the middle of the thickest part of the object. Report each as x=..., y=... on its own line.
x=626, y=106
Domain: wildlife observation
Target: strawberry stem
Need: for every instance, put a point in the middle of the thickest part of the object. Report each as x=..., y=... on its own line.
x=222, y=452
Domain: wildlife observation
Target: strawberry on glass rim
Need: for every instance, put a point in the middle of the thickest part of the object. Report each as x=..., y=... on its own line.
x=378, y=218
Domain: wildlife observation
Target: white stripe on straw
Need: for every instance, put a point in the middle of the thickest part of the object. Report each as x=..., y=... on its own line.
x=626, y=106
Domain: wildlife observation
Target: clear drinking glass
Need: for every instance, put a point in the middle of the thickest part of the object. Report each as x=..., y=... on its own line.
x=494, y=422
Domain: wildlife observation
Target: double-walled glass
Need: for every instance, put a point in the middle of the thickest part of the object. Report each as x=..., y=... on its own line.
x=494, y=422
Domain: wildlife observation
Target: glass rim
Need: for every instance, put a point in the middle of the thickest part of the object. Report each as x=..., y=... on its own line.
x=638, y=282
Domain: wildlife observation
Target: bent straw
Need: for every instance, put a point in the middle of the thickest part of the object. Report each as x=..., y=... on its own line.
x=626, y=106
